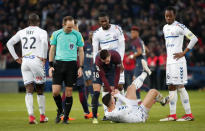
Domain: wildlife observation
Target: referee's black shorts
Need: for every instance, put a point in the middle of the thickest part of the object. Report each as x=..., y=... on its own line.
x=65, y=71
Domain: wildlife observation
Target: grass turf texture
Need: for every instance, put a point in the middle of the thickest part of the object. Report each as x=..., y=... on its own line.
x=13, y=116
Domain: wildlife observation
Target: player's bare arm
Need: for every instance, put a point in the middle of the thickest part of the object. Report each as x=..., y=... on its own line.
x=51, y=57
x=179, y=55
x=135, y=55
x=81, y=60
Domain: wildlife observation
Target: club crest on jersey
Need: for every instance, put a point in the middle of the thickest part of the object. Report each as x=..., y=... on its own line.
x=114, y=37
x=71, y=46
x=168, y=76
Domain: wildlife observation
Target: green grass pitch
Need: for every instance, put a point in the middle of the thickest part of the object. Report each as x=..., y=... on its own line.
x=13, y=116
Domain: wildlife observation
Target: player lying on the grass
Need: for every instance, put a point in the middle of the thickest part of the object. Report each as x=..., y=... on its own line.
x=125, y=108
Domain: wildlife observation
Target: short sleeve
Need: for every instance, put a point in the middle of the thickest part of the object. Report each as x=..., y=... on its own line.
x=183, y=30
x=120, y=33
x=80, y=40
x=53, y=40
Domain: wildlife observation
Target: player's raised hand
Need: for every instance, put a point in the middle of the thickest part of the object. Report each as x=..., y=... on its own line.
x=19, y=60
x=51, y=69
x=116, y=91
x=177, y=56
x=112, y=88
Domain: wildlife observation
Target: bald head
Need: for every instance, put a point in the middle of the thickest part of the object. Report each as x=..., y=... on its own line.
x=68, y=24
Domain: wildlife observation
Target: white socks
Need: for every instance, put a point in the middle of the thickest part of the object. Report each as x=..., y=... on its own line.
x=29, y=103
x=41, y=104
x=185, y=100
x=173, y=102
x=138, y=82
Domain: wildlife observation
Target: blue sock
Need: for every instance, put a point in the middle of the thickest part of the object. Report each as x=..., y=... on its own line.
x=138, y=94
x=95, y=103
x=90, y=89
x=83, y=99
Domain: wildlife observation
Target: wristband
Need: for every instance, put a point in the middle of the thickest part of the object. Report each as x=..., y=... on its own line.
x=51, y=64
x=81, y=67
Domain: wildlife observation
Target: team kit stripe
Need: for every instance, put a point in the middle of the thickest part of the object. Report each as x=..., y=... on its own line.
x=108, y=41
x=171, y=36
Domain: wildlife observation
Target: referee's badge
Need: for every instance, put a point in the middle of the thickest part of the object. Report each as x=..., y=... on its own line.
x=71, y=46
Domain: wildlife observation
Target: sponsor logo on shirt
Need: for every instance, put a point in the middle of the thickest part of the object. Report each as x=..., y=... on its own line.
x=170, y=45
x=51, y=37
x=82, y=39
x=30, y=56
x=38, y=78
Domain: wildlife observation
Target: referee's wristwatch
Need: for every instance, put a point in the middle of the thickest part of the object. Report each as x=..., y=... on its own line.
x=50, y=64
x=81, y=67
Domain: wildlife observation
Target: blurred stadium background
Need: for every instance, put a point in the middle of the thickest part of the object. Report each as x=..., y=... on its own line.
x=148, y=15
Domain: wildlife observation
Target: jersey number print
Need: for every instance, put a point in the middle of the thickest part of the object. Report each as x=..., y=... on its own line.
x=32, y=39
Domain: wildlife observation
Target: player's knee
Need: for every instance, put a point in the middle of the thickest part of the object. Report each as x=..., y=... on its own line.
x=68, y=91
x=89, y=82
x=172, y=87
x=180, y=89
x=39, y=89
x=96, y=87
x=153, y=91
x=29, y=88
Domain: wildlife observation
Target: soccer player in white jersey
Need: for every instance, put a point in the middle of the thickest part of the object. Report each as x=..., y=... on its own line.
x=34, y=42
x=110, y=37
x=176, y=68
x=125, y=108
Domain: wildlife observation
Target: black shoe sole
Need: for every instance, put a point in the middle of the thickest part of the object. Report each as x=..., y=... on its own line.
x=65, y=122
x=57, y=120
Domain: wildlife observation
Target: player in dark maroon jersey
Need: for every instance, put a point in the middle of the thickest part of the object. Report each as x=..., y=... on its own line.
x=106, y=71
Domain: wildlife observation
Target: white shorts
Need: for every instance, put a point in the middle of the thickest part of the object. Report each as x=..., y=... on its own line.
x=176, y=74
x=122, y=78
x=33, y=70
x=138, y=114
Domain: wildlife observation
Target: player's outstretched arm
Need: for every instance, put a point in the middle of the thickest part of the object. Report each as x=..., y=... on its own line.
x=120, y=97
x=95, y=44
